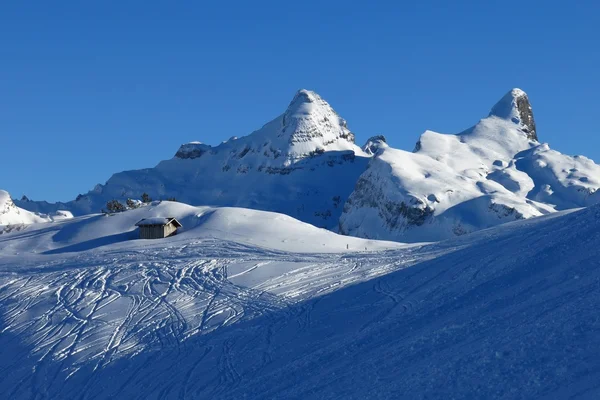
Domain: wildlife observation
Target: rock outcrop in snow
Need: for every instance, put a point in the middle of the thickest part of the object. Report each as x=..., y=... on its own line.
x=515, y=107
x=192, y=150
x=374, y=144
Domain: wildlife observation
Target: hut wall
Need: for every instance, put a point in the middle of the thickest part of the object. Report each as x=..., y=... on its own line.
x=156, y=231
x=151, y=232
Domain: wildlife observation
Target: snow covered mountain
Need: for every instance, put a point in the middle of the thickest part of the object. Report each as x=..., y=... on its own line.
x=243, y=304
x=450, y=185
x=305, y=164
x=252, y=304
x=14, y=216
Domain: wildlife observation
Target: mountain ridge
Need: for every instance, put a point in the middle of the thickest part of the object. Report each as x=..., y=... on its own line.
x=305, y=163
x=494, y=172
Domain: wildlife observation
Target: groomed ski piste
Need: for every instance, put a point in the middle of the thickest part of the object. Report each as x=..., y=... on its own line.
x=246, y=304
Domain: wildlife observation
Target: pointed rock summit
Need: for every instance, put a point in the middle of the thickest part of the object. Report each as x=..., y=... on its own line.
x=515, y=106
x=308, y=127
x=309, y=117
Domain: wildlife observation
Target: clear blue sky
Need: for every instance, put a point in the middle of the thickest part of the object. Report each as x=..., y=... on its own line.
x=92, y=88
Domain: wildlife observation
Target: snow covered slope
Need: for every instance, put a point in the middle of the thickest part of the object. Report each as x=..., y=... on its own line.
x=508, y=312
x=450, y=185
x=304, y=164
x=14, y=216
x=251, y=227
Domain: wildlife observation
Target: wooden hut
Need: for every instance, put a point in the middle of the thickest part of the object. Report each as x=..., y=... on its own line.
x=158, y=227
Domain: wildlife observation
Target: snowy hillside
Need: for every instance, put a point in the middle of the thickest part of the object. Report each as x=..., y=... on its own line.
x=11, y=216
x=287, y=166
x=450, y=185
x=251, y=227
x=89, y=312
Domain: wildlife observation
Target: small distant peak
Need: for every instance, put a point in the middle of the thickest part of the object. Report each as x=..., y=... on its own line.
x=374, y=144
x=515, y=106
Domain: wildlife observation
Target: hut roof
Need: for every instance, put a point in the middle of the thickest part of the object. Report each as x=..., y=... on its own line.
x=158, y=221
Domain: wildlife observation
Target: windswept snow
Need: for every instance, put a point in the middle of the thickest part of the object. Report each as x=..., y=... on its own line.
x=217, y=312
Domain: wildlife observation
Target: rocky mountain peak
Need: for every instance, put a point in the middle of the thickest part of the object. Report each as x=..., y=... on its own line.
x=515, y=106
x=309, y=126
x=310, y=119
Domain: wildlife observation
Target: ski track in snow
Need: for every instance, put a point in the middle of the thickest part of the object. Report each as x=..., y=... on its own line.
x=95, y=308
x=509, y=312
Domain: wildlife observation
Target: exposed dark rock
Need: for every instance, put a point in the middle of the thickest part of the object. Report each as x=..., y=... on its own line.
x=397, y=215
x=515, y=106
x=526, y=114
x=417, y=146
x=373, y=144
x=192, y=150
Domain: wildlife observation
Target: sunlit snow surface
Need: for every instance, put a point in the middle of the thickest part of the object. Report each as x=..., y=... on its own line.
x=242, y=304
